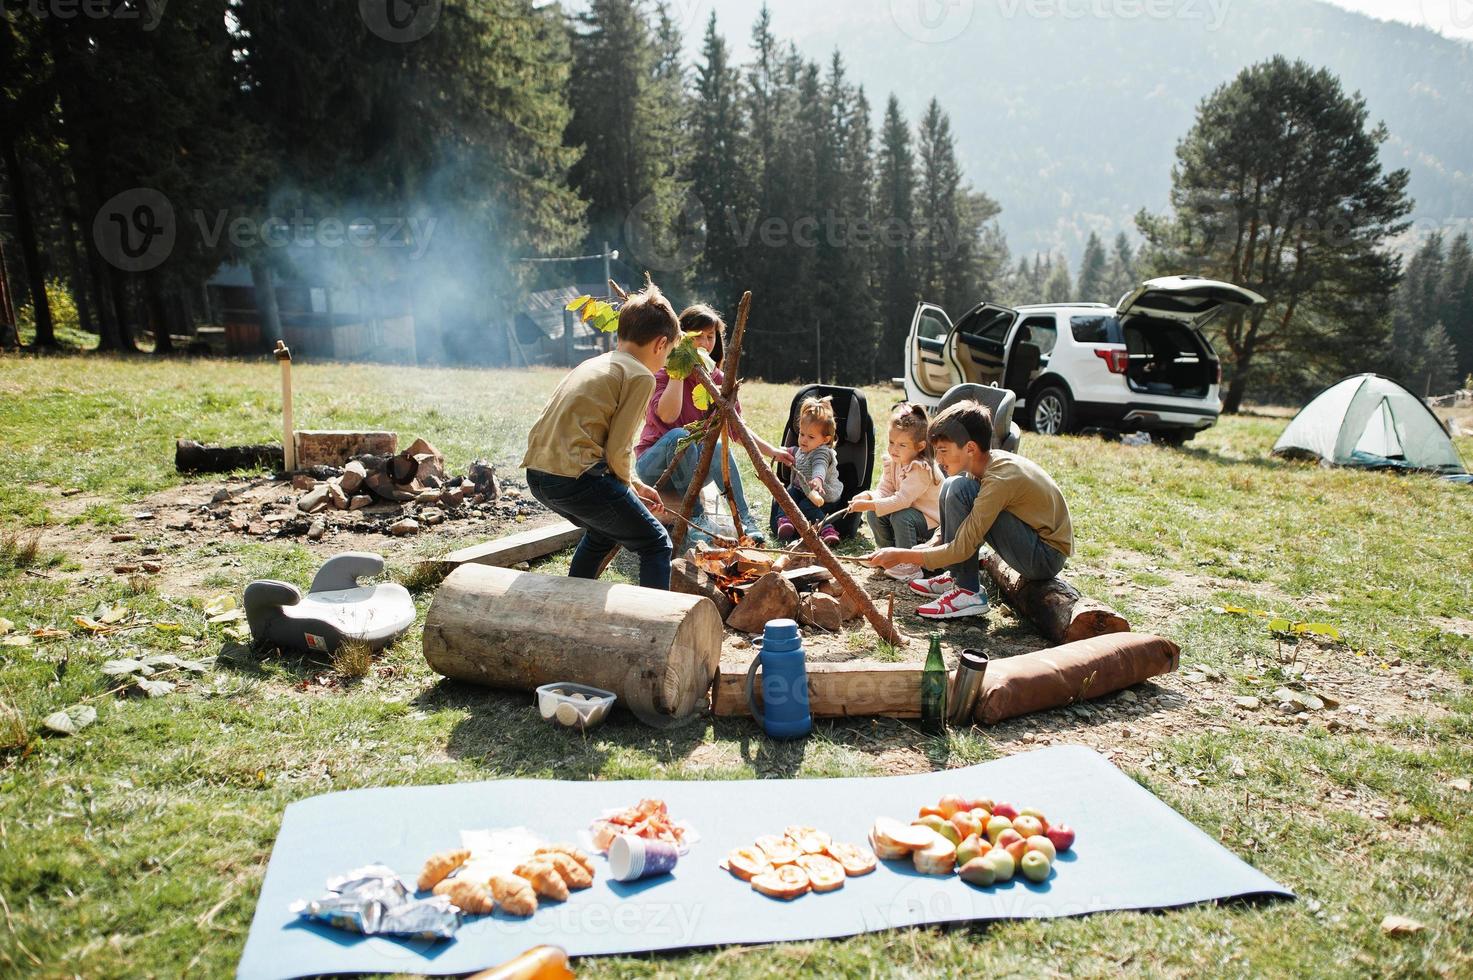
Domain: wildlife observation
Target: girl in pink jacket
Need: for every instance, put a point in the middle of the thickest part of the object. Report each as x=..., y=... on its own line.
x=906, y=508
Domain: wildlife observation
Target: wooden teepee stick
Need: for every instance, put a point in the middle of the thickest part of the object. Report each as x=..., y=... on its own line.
x=821, y=552
x=730, y=363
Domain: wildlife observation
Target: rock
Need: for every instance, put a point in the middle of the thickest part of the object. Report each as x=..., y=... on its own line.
x=381, y=485
x=404, y=528
x=359, y=502
x=483, y=480
x=239, y=522
x=151, y=567
x=1461, y=785
x=822, y=611
x=453, y=496
x=353, y=476
x=1401, y=925
x=314, y=500
x=125, y=569
x=337, y=495
x=303, y=481
x=771, y=597
x=432, y=516
x=428, y=497
x=848, y=608
x=1249, y=703
x=317, y=530
x=149, y=550
x=1297, y=701
x=687, y=579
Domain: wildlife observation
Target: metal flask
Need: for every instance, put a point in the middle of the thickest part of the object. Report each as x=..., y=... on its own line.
x=966, y=686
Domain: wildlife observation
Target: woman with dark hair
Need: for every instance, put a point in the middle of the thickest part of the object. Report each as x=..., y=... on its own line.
x=672, y=410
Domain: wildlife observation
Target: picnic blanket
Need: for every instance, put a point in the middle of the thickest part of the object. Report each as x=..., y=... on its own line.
x=1133, y=852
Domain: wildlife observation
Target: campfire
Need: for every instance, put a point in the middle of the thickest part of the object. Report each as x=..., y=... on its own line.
x=751, y=585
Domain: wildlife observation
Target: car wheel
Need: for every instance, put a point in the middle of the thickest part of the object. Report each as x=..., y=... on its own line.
x=1051, y=413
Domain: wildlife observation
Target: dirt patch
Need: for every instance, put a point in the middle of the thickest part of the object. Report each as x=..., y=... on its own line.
x=164, y=537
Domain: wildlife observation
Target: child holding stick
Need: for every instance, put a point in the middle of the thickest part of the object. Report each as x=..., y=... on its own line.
x=815, y=468
x=905, y=509
x=580, y=450
x=991, y=496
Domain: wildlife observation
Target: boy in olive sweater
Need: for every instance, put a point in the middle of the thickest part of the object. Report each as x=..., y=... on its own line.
x=580, y=451
x=991, y=496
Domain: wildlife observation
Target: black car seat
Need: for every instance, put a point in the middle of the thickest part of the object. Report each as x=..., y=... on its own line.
x=1000, y=401
x=854, y=444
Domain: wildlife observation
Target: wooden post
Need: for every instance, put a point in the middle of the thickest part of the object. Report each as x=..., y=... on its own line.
x=288, y=439
x=718, y=419
x=820, y=551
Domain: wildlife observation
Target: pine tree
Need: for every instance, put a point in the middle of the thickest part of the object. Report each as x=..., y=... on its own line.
x=1122, y=274
x=1421, y=354
x=1457, y=302
x=945, y=248
x=1278, y=187
x=720, y=169
x=895, y=223
x=1057, y=288
x=1093, y=272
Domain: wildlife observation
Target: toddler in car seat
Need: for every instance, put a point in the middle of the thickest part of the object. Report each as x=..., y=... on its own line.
x=815, y=480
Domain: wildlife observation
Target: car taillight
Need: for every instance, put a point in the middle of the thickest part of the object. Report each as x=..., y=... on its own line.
x=1218, y=365
x=1117, y=359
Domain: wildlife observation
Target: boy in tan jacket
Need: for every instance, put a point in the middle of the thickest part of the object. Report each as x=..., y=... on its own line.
x=580, y=451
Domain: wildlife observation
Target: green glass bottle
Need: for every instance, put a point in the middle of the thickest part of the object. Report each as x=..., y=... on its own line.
x=933, y=689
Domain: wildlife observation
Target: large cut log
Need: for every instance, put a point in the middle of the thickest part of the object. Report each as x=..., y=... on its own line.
x=658, y=651
x=194, y=457
x=516, y=548
x=1054, y=606
x=836, y=690
x=1073, y=672
x=332, y=447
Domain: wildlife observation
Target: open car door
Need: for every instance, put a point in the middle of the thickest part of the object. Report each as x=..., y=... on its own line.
x=930, y=369
x=977, y=348
x=1187, y=299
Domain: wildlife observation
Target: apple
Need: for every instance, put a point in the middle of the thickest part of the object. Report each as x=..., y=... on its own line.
x=1005, y=810
x=1043, y=846
x=972, y=847
x=943, y=827
x=1028, y=826
x=934, y=810
x=1013, y=842
x=996, y=826
x=950, y=804
x=1062, y=835
x=1031, y=812
x=1001, y=863
x=978, y=871
x=980, y=803
x=982, y=813
x=966, y=823
x=1035, y=866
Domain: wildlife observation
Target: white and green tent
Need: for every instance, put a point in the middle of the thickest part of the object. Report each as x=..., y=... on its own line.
x=1373, y=422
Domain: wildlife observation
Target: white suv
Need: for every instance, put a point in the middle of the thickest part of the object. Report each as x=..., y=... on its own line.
x=1142, y=365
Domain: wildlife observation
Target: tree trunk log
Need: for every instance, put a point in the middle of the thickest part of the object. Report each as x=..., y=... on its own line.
x=1054, y=606
x=858, y=689
x=658, y=651
x=193, y=457
x=816, y=547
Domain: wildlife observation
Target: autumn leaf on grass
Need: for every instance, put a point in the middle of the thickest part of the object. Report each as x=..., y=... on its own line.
x=71, y=720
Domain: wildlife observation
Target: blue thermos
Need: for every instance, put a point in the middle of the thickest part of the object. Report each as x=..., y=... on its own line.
x=784, y=712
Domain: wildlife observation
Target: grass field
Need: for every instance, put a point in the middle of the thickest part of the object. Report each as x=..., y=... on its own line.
x=138, y=846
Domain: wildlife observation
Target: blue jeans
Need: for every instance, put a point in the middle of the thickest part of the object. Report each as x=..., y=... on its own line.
x=901, y=529
x=652, y=462
x=611, y=516
x=1014, y=541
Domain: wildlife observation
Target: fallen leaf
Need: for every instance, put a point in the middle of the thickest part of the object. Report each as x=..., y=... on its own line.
x=112, y=614
x=241, y=632
x=1400, y=925
x=71, y=720
x=228, y=617
x=1318, y=629
x=17, y=640
x=164, y=626
x=5, y=626
x=123, y=667
x=49, y=633
x=221, y=603
x=156, y=689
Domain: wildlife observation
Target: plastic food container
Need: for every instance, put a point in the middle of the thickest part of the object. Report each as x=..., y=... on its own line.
x=574, y=705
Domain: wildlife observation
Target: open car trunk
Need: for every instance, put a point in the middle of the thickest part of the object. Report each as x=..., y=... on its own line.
x=1167, y=357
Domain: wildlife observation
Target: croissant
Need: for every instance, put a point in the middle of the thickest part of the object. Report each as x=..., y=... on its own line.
x=574, y=875
x=471, y=897
x=570, y=851
x=544, y=878
x=439, y=866
x=513, y=894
